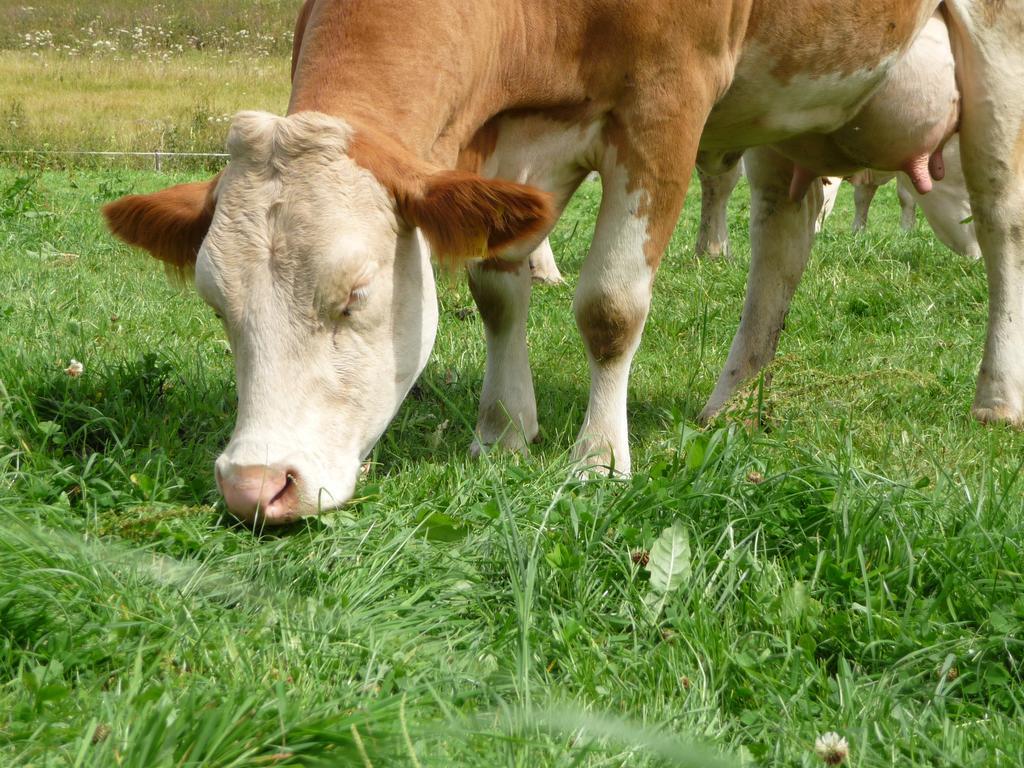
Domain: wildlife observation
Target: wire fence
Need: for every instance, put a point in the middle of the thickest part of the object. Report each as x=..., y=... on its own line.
x=158, y=156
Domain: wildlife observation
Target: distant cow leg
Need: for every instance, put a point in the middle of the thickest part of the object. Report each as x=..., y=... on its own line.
x=781, y=235
x=715, y=191
x=543, y=266
x=908, y=206
x=829, y=191
x=990, y=39
x=863, y=194
x=508, y=409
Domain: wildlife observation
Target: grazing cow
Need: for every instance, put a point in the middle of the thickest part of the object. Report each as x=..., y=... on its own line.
x=313, y=243
x=947, y=207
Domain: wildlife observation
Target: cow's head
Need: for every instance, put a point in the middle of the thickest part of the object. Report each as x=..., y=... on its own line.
x=309, y=248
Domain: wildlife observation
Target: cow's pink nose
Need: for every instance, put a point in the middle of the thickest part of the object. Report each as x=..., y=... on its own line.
x=259, y=494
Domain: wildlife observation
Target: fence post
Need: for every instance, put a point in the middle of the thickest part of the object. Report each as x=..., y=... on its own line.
x=156, y=160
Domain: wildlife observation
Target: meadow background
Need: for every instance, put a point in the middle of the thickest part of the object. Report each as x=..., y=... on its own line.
x=131, y=75
x=846, y=542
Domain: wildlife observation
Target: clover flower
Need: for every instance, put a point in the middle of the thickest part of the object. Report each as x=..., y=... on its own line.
x=832, y=748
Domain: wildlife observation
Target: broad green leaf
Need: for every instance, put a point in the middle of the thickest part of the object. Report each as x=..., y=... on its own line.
x=669, y=561
x=441, y=527
x=695, y=452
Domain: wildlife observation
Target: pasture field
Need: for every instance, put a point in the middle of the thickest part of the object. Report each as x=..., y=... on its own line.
x=847, y=540
x=128, y=75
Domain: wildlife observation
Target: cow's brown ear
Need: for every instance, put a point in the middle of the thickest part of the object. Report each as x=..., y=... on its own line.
x=465, y=216
x=170, y=224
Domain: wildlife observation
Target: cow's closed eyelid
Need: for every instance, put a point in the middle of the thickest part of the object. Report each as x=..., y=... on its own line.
x=356, y=299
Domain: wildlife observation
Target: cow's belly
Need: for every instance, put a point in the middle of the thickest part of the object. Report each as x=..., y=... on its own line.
x=760, y=108
x=791, y=80
x=895, y=116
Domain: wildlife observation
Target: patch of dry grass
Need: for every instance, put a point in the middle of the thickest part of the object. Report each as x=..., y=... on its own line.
x=126, y=27
x=125, y=75
x=184, y=103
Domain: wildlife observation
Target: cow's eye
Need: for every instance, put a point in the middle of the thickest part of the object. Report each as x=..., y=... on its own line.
x=356, y=299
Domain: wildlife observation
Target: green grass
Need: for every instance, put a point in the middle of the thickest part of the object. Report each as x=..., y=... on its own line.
x=854, y=566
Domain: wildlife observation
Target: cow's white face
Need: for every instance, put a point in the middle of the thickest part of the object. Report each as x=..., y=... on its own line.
x=329, y=305
x=317, y=266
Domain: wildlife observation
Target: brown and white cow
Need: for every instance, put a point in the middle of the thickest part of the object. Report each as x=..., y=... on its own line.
x=309, y=243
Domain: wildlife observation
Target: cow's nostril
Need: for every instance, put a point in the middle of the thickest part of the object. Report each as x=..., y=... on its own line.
x=260, y=494
x=288, y=494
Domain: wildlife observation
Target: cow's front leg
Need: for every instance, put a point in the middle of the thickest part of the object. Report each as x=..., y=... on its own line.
x=508, y=409
x=715, y=191
x=990, y=70
x=640, y=204
x=781, y=235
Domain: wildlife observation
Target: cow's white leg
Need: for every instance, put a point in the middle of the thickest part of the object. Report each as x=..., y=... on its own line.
x=781, y=235
x=542, y=265
x=829, y=193
x=908, y=206
x=990, y=41
x=508, y=408
x=640, y=205
x=863, y=194
x=715, y=191
x=611, y=304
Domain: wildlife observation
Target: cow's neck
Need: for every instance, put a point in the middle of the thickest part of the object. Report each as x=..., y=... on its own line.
x=412, y=75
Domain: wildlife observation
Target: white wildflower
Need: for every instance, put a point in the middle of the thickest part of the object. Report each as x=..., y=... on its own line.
x=74, y=369
x=832, y=748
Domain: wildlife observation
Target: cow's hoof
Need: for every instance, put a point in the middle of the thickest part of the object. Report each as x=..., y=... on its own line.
x=713, y=251
x=712, y=409
x=706, y=416
x=998, y=414
x=512, y=440
x=547, y=279
x=597, y=459
x=544, y=272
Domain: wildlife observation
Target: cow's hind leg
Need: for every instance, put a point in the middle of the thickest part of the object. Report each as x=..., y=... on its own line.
x=829, y=193
x=990, y=44
x=715, y=191
x=863, y=194
x=781, y=235
x=908, y=206
x=542, y=265
x=508, y=408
